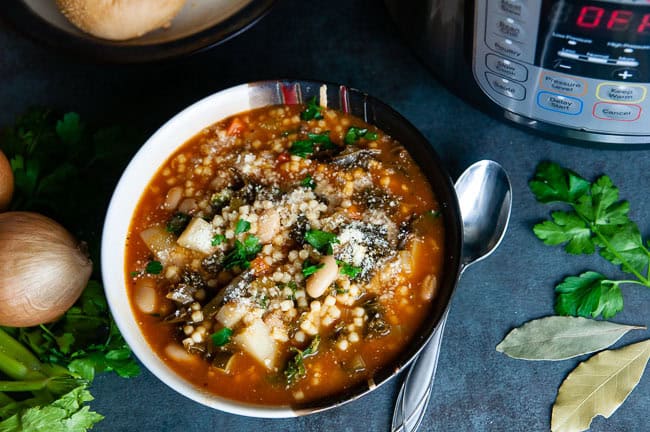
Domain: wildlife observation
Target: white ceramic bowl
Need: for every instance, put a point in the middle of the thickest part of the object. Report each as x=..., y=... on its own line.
x=208, y=111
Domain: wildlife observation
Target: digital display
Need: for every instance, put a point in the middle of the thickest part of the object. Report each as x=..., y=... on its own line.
x=608, y=40
x=616, y=21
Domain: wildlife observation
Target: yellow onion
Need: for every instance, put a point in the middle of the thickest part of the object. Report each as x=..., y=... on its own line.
x=43, y=269
x=120, y=19
x=6, y=182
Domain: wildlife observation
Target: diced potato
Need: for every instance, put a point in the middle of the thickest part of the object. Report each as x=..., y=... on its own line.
x=256, y=340
x=231, y=313
x=198, y=236
x=145, y=295
x=160, y=242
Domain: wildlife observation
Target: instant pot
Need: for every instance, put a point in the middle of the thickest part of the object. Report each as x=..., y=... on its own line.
x=572, y=69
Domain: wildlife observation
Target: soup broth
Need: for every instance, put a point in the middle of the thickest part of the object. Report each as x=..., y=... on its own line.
x=284, y=254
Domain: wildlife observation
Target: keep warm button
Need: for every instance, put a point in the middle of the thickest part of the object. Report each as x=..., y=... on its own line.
x=618, y=112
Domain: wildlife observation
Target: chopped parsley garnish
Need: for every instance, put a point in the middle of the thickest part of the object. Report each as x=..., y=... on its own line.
x=313, y=144
x=178, y=223
x=242, y=253
x=309, y=268
x=135, y=273
x=354, y=134
x=308, y=182
x=154, y=267
x=221, y=337
x=218, y=239
x=302, y=148
x=295, y=369
x=321, y=241
x=242, y=226
x=348, y=269
x=313, y=110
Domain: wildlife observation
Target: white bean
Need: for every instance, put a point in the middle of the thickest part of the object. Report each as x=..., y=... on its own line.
x=268, y=225
x=145, y=295
x=178, y=353
x=318, y=282
x=173, y=197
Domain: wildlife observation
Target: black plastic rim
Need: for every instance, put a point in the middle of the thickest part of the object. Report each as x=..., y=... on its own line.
x=25, y=21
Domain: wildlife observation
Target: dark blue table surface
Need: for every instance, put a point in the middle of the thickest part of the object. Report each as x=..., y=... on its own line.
x=354, y=42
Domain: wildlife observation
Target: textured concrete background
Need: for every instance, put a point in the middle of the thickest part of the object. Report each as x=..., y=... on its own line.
x=354, y=42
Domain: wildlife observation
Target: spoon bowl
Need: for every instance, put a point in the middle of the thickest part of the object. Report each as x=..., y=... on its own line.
x=485, y=198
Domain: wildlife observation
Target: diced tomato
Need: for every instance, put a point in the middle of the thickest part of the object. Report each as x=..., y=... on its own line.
x=236, y=127
x=284, y=157
x=260, y=266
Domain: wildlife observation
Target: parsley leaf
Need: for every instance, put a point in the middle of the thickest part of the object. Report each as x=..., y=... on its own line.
x=242, y=226
x=65, y=414
x=314, y=144
x=154, y=267
x=322, y=241
x=348, y=269
x=354, y=134
x=596, y=221
x=218, y=239
x=588, y=295
x=242, y=253
x=309, y=268
x=295, y=369
x=308, y=182
x=313, y=110
x=221, y=337
x=302, y=148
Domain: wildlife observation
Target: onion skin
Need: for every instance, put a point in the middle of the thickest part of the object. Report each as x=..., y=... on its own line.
x=6, y=182
x=43, y=269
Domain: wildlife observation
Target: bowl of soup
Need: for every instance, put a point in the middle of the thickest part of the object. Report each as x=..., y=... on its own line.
x=281, y=247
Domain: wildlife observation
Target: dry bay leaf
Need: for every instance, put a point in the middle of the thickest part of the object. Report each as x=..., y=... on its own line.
x=598, y=386
x=561, y=337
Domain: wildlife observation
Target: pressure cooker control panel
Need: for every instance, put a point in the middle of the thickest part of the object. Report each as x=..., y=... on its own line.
x=577, y=64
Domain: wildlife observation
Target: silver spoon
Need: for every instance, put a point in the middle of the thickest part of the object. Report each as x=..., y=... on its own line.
x=485, y=198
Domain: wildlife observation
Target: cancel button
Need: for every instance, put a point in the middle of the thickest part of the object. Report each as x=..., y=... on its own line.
x=618, y=112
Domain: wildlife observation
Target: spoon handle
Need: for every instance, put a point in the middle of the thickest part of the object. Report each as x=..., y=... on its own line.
x=414, y=394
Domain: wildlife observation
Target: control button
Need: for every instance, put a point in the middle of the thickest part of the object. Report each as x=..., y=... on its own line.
x=509, y=28
x=625, y=74
x=505, y=67
x=506, y=47
x=558, y=103
x=563, y=84
x=617, y=112
x=506, y=87
x=512, y=7
x=621, y=93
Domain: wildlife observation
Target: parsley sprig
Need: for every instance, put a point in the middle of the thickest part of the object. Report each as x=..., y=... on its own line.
x=597, y=221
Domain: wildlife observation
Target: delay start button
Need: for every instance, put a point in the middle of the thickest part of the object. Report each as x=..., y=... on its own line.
x=617, y=112
x=506, y=87
x=559, y=103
